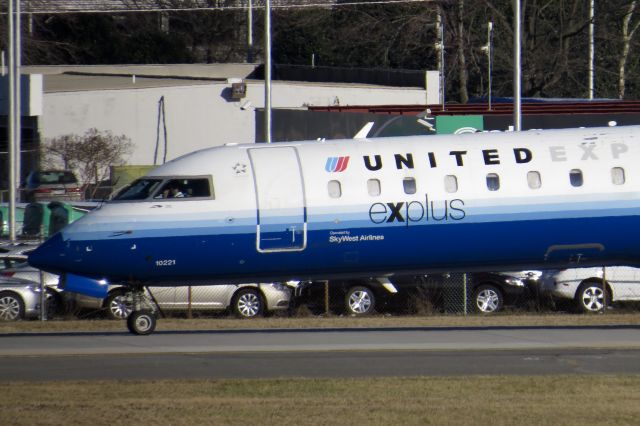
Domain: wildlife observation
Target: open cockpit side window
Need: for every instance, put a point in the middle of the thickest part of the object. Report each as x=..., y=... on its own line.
x=185, y=188
x=199, y=187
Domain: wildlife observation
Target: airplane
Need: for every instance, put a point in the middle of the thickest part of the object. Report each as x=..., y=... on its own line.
x=376, y=207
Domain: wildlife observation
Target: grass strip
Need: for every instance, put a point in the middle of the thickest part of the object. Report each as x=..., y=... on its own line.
x=496, y=400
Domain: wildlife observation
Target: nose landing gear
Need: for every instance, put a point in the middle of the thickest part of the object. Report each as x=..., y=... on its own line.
x=142, y=320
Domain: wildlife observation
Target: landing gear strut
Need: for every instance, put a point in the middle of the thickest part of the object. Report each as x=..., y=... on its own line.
x=142, y=320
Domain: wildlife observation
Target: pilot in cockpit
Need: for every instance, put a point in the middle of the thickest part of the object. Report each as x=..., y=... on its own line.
x=171, y=190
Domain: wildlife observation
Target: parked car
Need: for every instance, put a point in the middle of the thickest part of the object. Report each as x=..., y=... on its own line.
x=585, y=286
x=487, y=292
x=51, y=185
x=14, y=254
x=19, y=299
x=23, y=271
x=245, y=300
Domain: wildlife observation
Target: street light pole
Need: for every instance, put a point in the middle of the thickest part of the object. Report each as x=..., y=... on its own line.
x=488, y=48
x=517, y=67
x=18, y=95
x=592, y=49
x=250, y=32
x=267, y=70
x=11, y=125
x=440, y=47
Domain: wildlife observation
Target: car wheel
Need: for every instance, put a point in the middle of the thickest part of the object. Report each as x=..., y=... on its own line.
x=118, y=305
x=360, y=301
x=487, y=299
x=141, y=323
x=248, y=303
x=11, y=307
x=590, y=297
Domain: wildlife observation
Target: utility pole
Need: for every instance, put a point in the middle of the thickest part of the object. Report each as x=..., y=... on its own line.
x=488, y=49
x=267, y=71
x=592, y=49
x=14, y=121
x=517, y=67
x=440, y=48
x=250, y=32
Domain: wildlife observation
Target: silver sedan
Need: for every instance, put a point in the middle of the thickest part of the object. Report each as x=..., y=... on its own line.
x=245, y=300
x=19, y=299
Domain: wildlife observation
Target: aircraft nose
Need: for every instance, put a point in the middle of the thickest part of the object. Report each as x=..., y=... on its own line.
x=50, y=255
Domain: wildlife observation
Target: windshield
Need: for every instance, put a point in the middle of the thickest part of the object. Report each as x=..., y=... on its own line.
x=138, y=190
x=54, y=177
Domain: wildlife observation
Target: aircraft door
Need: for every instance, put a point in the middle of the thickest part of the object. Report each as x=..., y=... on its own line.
x=281, y=210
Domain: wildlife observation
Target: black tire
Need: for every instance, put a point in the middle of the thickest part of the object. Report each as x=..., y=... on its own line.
x=590, y=297
x=248, y=303
x=11, y=306
x=55, y=304
x=118, y=306
x=487, y=299
x=141, y=323
x=359, y=301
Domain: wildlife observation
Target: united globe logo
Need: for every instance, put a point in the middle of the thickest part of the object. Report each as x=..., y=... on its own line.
x=336, y=164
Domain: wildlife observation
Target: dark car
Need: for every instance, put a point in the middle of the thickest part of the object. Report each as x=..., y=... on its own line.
x=481, y=292
x=484, y=292
x=51, y=185
x=491, y=291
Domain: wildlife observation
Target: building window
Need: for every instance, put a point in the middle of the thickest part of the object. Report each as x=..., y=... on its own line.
x=334, y=188
x=617, y=176
x=373, y=187
x=533, y=179
x=493, y=182
x=575, y=177
x=450, y=183
x=409, y=185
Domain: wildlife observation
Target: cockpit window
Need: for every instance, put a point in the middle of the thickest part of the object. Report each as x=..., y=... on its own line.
x=138, y=190
x=164, y=188
x=185, y=188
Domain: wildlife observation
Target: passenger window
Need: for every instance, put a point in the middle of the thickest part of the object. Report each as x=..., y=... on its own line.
x=373, y=186
x=450, y=183
x=493, y=182
x=185, y=188
x=617, y=175
x=533, y=179
x=575, y=177
x=334, y=188
x=409, y=185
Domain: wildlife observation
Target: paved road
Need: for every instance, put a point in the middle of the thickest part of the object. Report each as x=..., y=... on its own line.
x=321, y=353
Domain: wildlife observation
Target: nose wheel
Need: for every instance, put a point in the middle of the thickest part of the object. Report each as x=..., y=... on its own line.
x=142, y=322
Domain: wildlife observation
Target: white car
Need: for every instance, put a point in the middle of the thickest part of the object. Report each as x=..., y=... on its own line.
x=584, y=285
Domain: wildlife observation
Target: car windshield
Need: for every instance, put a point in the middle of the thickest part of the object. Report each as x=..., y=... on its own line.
x=54, y=177
x=138, y=190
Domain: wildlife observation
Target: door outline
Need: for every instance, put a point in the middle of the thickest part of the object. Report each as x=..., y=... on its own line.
x=301, y=247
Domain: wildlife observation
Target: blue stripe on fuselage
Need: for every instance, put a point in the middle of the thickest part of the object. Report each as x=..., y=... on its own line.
x=362, y=250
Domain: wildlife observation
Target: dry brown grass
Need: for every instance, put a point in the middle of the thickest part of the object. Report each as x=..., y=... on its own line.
x=220, y=323
x=496, y=400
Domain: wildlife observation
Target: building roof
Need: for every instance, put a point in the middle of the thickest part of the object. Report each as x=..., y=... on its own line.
x=532, y=108
x=68, y=78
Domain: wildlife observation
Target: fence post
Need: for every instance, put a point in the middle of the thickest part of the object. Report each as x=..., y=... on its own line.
x=604, y=289
x=464, y=293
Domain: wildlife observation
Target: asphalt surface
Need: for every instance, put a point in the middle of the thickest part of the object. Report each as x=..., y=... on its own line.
x=321, y=353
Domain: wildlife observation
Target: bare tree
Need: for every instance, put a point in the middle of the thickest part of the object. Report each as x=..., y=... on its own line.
x=628, y=31
x=89, y=155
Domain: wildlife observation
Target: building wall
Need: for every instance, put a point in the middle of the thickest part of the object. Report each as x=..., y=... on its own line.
x=197, y=115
